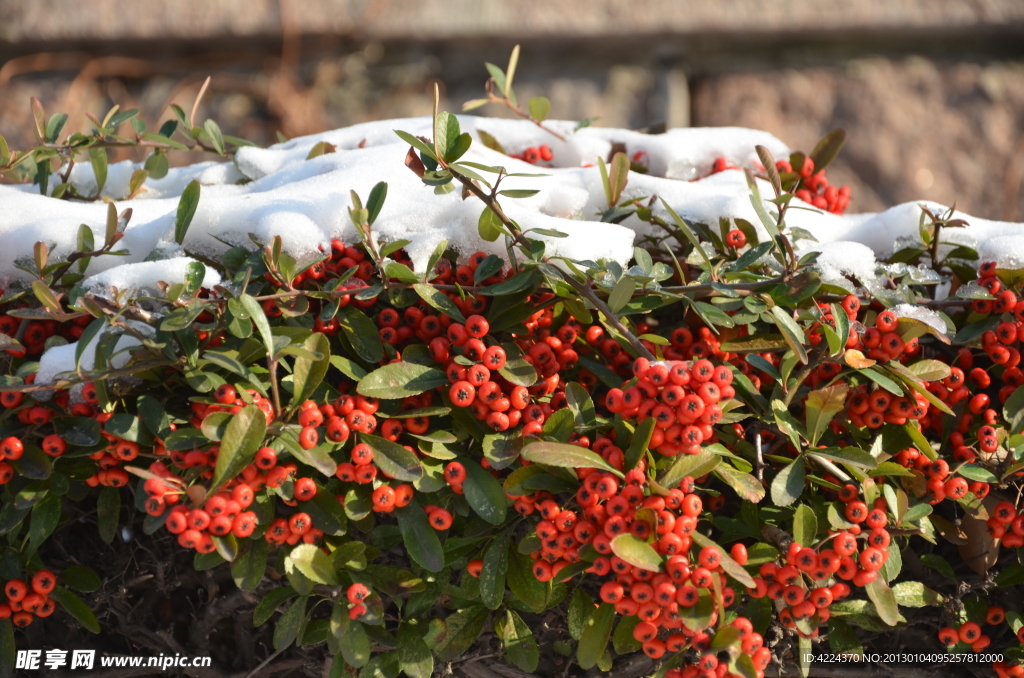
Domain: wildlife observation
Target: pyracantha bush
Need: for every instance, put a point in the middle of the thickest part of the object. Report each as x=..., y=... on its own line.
x=685, y=456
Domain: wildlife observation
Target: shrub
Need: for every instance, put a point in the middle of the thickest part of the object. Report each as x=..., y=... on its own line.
x=716, y=443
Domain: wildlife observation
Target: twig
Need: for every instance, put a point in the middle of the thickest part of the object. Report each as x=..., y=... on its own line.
x=759, y=467
x=265, y=662
x=195, y=104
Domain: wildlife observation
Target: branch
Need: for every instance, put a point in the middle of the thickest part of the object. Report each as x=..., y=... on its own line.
x=86, y=377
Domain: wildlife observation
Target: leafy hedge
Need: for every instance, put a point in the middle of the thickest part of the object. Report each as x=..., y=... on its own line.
x=685, y=456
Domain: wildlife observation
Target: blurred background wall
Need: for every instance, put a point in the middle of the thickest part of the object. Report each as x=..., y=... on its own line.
x=931, y=92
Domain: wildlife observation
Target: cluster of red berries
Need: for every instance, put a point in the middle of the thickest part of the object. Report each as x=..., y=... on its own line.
x=217, y=515
x=608, y=509
x=535, y=154
x=36, y=332
x=681, y=397
x=26, y=601
x=837, y=556
x=969, y=633
x=815, y=189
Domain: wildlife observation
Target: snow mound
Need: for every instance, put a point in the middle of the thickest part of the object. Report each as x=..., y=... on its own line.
x=142, y=278
x=277, y=191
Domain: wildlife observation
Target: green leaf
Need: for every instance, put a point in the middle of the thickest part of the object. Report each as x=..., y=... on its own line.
x=971, y=332
x=492, y=577
x=288, y=626
x=446, y=132
x=216, y=136
x=746, y=486
x=885, y=602
x=463, y=628
x=327, y=512
x=313, y=563
x=8, y=649
x=566, y=456
x=375, y=201
x=940, y=565
x=559, y=425
x=595, y=637
x=623, y=641
x=1013, y=411
x=758, y=343
x=45, y=517
x=621, y=294
x=248, y=567
x=842, y=639
x=540, y=108
x=255, y=312
x=791, y=332
x=362, y=334
x=580, y=403
x=308, y=372
x=77, y=608
x=489, y=225
x=108, y=513
x=401, y=380
x=848, y=455
x=684, y=228
x=187, y=205
x=821, y=407
x=485, y=494
x=580, y=608
x=636, y=552
x=618, y=175
x=788, y=483
x=805, y=525
x=439, y=300
x=350, y=637
x=393, y=459
x=693, y=465
x=98, y=160
x=414, y=656
x=420, y=538
x=639, y=441
x=269, y=603
x=828, y=149
x=81, y=578
x=517, y=637
x=524, y=585
x=242, y=438
x=916, y=594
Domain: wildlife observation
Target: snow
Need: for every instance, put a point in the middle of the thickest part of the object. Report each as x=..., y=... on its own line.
x=1006, y=251
x=925, y=315
x=142, y=278
x=842, y=258
x=275, y=191
x=61, y=359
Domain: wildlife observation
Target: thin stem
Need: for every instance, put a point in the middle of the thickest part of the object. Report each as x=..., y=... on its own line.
x=274, y=389
x=507, y=103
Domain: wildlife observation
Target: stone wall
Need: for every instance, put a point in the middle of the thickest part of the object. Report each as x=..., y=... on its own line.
x=930, y=91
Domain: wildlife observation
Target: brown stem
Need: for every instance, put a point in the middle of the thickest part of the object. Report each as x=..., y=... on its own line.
x=507, y=103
